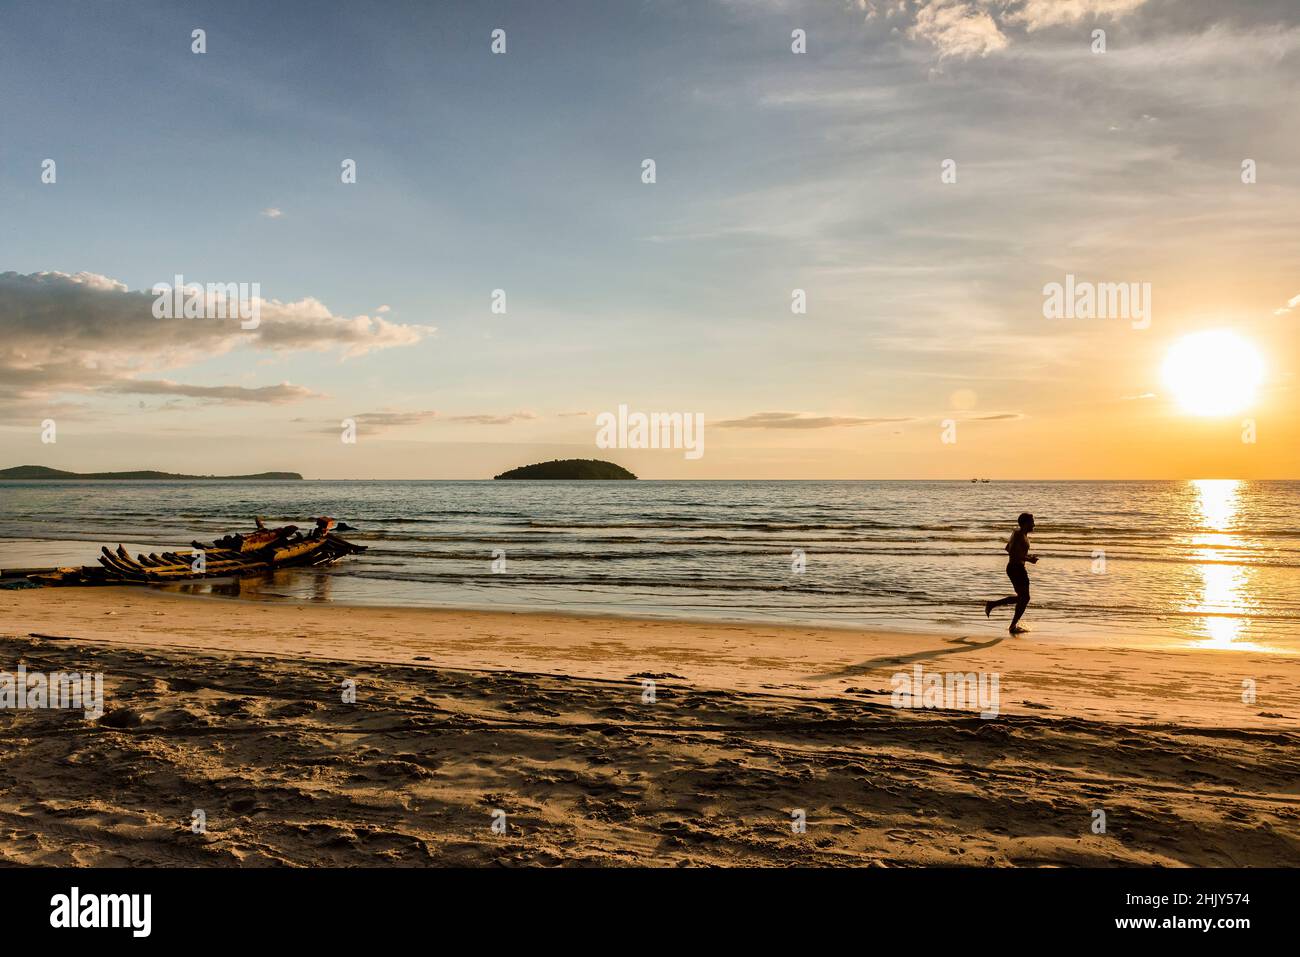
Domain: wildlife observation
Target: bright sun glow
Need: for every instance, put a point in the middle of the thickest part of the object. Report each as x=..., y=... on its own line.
x=1213, y=373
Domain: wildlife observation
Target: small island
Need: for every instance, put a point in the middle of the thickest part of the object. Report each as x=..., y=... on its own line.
x=568, y=469
x=39, y=473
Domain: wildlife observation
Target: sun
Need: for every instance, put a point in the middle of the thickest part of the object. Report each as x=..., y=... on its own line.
x=1213, y=373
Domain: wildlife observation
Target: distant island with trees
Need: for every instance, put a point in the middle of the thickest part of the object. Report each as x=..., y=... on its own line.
x=557, y=470
x=568, y=469
x=39, y=473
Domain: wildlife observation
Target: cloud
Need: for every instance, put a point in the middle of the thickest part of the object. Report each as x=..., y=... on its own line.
x=390, y=419
x=83, y=332
x=284, y=392
x=961, y=29
x=1290, y=304
x=976, y=28
x=272, y=212
x=1036, y=14
x=384, y=420
x=886, y=8
x=487, y=419
x=307, y=324
x=802, y=420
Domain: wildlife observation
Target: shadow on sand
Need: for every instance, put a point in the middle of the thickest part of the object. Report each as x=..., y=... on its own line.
x=963, y=644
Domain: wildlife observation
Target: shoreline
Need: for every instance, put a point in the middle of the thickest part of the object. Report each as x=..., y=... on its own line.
x=1043, y=632
x=1056, y=631
x=1198, y=685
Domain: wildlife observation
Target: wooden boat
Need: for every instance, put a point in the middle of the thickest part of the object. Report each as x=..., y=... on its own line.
x=241, y=555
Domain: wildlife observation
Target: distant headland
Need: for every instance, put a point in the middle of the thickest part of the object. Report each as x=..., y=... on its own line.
x=39, y=473
x=569, y=469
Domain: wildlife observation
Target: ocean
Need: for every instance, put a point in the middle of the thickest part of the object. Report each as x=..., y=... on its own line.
x=1204, y=563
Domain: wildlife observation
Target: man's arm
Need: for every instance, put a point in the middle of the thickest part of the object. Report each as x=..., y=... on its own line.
x=1017, y=548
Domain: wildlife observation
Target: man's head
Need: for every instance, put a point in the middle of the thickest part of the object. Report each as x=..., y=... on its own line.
x=1026, y=521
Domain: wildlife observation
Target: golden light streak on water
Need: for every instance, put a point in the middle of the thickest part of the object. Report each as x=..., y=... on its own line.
x=1224, y=589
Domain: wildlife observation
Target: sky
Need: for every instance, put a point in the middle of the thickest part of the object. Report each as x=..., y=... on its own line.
x=921, y=171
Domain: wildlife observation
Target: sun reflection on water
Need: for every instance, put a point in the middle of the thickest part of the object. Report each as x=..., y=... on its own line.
x=1223, y=595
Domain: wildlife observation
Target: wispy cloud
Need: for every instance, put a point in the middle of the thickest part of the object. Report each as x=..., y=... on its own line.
x=273, y=394
x=803, y=420
x=488, y=419
x=1290, y=304
x=386, y=419
x=1036, y=14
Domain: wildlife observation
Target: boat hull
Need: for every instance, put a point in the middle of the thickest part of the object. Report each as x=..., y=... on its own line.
x=235, y=556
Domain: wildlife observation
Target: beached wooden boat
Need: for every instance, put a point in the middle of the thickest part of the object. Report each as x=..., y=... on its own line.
x=253, y=553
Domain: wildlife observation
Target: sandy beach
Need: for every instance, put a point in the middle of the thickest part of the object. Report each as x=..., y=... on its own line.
x=544, y=724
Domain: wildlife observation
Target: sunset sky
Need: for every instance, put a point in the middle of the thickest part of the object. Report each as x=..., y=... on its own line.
x=775, y=171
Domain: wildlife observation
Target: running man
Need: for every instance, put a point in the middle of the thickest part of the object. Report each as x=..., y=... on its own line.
x=1018, y=548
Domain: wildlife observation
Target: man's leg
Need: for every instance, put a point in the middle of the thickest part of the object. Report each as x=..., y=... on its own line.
x=1022, y=600
x=998, y=603
x=1020, y=579
x=1022, y=603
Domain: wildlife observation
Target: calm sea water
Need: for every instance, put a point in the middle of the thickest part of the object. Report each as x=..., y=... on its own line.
x=1211, y=562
